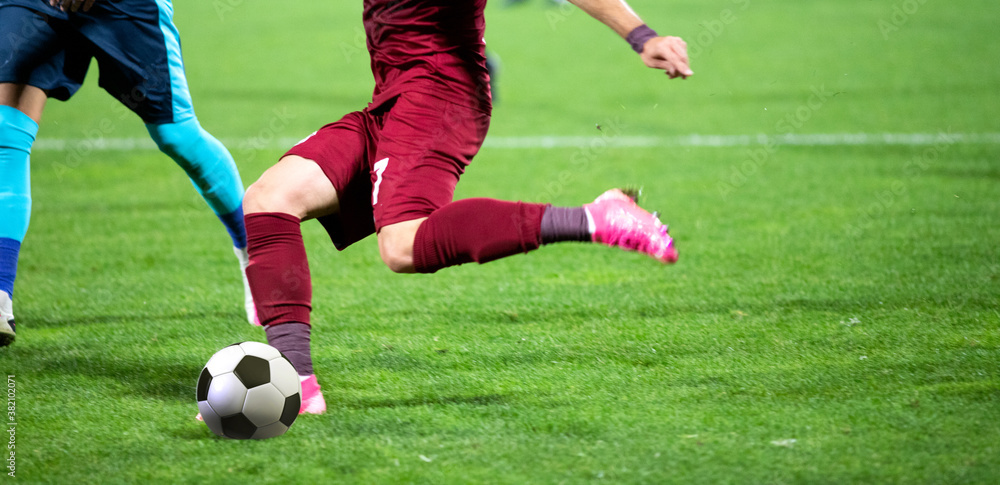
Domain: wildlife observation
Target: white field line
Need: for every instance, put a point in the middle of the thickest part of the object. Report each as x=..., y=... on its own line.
x=555, y=141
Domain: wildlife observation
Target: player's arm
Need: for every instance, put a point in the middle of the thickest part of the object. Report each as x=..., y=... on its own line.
x=666, y=53
x=72, y=5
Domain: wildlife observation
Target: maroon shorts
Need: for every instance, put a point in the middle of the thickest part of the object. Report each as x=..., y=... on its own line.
x=397, y=163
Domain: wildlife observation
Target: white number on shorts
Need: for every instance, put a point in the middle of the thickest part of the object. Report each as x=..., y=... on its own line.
x=380, y=167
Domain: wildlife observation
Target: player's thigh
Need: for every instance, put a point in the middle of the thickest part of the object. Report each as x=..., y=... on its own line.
x=38, y=51
x=295, y=186
x=26, y=99
x=425, y=145
x=139, y=59
x=343, y=151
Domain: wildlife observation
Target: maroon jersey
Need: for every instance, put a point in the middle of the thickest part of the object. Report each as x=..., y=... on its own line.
x=433, y=47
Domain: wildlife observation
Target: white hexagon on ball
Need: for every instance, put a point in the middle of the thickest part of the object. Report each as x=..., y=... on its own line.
x=284, y=377
x=263, y=405
x=227, y=394
x=263, y=351
x=225, y=360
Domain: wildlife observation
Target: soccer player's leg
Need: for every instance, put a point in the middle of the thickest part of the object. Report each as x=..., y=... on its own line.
x=483, y=230
x=146, y=74
x=421, y=230
x=426, y=145
x=323, y=177
x=291, y=191
x=31, y=57
x=213, y=173
x=17, y=134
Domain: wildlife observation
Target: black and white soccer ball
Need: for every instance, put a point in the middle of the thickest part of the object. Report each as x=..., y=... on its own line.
x=249, y=391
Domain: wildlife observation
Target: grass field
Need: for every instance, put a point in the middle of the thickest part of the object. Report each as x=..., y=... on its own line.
x=833, y=318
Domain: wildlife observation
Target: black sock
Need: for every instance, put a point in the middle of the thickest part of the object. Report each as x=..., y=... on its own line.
x=564, y=224
x=292, y=339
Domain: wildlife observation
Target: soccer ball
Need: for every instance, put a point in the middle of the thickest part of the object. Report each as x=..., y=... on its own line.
x=249, y=391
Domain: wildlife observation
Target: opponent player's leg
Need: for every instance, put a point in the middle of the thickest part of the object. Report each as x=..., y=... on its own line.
x=20, y=110
x=40, y=58
x=293, y=190
x=213, y=172
x=206, y=161
x=146, y=74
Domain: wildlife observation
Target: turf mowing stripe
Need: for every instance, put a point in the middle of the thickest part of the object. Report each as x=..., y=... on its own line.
x=554, y=141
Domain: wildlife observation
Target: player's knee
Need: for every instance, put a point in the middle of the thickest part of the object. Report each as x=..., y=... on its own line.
x=398, y=261
x=265, y=196
x=395, y=246
x=294, y=186
x=171, y=138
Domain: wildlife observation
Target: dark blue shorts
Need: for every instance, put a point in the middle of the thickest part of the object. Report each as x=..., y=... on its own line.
x=135, y=43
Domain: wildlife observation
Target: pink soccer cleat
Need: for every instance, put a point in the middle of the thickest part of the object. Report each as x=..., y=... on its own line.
x=312, y=396
x=617, y=221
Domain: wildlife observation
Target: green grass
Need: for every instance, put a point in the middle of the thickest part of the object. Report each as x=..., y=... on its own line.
x=842, y=297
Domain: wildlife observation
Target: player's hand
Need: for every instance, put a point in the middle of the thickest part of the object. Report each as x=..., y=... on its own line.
x=72, y=5
x=668, y=54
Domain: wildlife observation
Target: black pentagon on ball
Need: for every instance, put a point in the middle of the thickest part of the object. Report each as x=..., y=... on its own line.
x=238, y=427
x=253, y=371
x=291, y=409
x=204, y=381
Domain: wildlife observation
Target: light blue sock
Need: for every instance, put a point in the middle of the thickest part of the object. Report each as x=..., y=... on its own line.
x=17, y=134
x=210, y=167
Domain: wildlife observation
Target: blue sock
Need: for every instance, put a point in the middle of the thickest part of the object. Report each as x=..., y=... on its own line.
x=9, y=250
x=17, y=134
x=234, y=224
x=210, y=167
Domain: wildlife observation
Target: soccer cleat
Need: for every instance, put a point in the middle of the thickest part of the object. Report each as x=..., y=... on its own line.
x=241, y=254
x=6, y=320
x=617, y=221
x=312, y=396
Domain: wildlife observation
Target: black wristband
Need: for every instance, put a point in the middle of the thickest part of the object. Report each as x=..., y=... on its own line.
x=638, y=37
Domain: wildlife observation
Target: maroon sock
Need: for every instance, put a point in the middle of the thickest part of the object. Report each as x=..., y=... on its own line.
x=479, y=230
x=565, y=224
x=278, y=270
